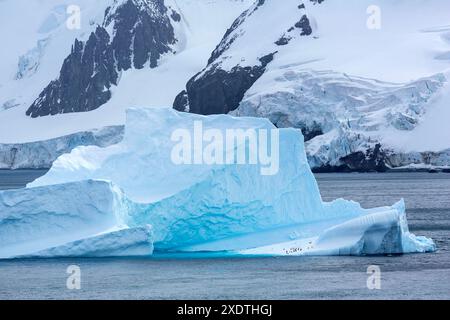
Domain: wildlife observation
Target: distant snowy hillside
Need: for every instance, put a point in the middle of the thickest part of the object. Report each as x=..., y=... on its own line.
x=359, y=95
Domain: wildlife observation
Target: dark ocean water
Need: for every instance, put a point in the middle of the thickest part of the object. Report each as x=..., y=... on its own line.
x=418, y=276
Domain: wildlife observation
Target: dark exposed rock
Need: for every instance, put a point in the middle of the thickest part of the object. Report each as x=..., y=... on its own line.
x=305, y=26
x=175, y=16
x=85, y=79
x=142, y=33
x=373, y=160
x=283, y=41
x=218, y=91
x=181, y=102
x=311, y=133
x=378, y=159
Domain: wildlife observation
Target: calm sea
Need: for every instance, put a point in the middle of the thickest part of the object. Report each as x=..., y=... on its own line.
x=419, y=276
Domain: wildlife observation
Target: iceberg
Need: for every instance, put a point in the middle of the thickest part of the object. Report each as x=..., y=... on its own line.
x=36, y=219
x=133, y=199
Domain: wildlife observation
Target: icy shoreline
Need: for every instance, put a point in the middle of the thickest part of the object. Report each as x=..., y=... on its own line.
x=41, y=155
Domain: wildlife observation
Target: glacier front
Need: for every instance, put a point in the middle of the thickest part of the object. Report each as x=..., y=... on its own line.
x=132, y=199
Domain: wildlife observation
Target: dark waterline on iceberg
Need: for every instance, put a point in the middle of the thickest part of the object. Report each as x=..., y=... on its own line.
x=419, y=276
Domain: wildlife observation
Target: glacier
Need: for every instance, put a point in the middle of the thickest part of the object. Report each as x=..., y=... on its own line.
x=131, y=199
x=342, y=115
x=41, y=154
x=362, y=101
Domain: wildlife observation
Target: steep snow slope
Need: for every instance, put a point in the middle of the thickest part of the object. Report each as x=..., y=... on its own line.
x=432, y=131
x=152, y=87
x=38, y=41
x=134, y=34
x=229, y=208
x=358, y=94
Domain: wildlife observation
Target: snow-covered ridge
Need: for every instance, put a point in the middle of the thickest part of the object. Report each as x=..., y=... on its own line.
x=131, y=198
x=147, y=86
x=359, y=95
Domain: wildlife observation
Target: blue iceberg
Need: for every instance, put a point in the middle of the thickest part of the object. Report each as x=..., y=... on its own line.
x=134, y=198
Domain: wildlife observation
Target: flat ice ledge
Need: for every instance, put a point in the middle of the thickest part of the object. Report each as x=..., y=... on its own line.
x=378, y=233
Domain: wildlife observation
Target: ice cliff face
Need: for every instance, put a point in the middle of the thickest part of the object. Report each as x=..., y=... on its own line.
x=342, y=116
x=133, y=198
x=42, y=154
x=319, y=101
x=134, y=34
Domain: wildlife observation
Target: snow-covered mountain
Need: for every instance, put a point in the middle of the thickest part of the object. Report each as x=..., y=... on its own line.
x=141, y=32
x=52, y=69
x=362, y=97
x=366, y=81
x=175, y=44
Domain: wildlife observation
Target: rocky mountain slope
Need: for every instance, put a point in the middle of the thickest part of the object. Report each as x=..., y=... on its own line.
x=125, y=53
x=141, y=33
x=365, y=98
x=310, y=67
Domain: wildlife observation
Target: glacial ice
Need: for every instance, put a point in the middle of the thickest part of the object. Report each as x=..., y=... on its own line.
x=345, y=114
x=41, y=154
x=131, y=198
x=36, y=219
